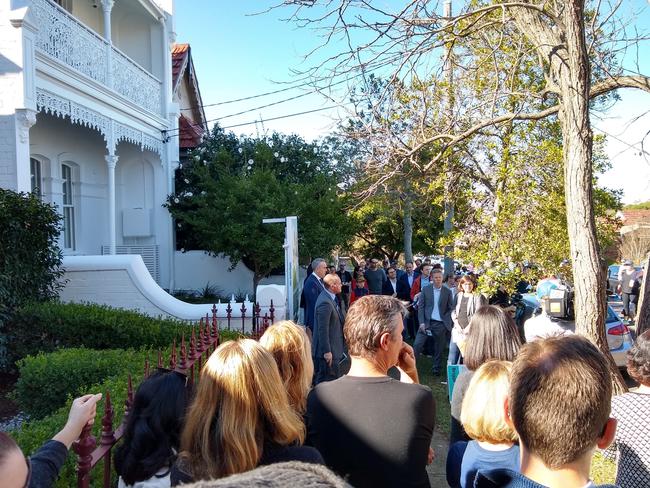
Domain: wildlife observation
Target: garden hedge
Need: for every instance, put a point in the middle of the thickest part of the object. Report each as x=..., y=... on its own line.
x=47, y=326
x=69, y=372
x=33, y=434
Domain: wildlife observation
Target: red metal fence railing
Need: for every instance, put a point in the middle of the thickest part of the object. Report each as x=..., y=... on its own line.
x=254, y=316
x=188, y=359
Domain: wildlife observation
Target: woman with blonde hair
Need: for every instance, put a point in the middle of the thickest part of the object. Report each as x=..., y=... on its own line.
x=482, y=415
x=289, y=345
x=240, y=417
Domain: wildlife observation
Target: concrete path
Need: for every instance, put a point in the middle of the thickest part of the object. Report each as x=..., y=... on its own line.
x=436, y=470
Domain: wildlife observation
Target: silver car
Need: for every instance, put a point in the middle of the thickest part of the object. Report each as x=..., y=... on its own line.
x=618, y=335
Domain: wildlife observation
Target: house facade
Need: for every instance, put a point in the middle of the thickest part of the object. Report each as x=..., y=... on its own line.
x=87, y=121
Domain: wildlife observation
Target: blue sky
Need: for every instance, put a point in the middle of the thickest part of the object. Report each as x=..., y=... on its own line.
x=238, y=54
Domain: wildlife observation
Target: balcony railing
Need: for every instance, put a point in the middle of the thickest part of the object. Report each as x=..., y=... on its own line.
x=62, y=37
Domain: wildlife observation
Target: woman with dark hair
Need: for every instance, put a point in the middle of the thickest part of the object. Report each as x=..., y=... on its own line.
x=153, y=429
x=467, y=303
x=632, y=412
x=493, y=335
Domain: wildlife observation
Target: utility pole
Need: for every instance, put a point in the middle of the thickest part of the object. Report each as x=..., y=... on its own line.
x=449, y=177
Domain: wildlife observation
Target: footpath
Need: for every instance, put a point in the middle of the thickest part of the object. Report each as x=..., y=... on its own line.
x=436, y=470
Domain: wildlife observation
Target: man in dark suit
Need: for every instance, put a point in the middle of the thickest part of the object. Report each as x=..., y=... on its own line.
x=390, y=285
x=311, y=289
x=404, y=284
x=434, y=313
x=328, y=345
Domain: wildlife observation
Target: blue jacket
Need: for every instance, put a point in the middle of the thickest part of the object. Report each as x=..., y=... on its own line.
x=310, y=291
x=506, y=478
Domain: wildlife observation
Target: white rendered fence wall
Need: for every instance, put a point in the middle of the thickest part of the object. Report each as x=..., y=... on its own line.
x=123, y=281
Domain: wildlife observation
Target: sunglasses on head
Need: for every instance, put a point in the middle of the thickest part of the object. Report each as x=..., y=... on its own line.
x=174, y=371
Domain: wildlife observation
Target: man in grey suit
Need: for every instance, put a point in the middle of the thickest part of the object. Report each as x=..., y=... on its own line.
x=328, y=346
x=434, y=313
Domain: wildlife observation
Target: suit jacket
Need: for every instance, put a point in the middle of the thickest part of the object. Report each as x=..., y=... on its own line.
x=403, y=287
x=387, y=287
x=311, y=290
x=328, y=328
x=445, y=306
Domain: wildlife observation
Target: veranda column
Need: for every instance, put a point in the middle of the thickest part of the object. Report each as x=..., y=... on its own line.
x=111, y=162
x=107, y=7
x=25, y=118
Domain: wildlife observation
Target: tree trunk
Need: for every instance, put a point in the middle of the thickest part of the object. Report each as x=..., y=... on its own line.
x=408, y=228
x=573, y=77
x=643, y=308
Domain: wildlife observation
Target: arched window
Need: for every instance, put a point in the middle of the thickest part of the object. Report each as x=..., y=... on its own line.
x=68, y=207
x=36, y=177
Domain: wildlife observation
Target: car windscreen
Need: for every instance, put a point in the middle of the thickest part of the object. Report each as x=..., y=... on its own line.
x=613, y=271
x=611, y=315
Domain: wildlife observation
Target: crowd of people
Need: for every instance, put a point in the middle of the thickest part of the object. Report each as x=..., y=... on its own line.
x=338, y=401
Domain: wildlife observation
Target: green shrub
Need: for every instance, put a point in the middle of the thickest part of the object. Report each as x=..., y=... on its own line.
x=56, y=375
x=30, y=259
x=44, y=327
x=33, y=434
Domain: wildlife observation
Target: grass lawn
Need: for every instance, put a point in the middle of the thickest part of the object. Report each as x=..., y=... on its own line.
x=602, y=470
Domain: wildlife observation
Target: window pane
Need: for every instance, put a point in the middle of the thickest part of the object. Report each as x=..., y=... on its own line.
x=35, y=174
x=66, y=172
x=68, y=227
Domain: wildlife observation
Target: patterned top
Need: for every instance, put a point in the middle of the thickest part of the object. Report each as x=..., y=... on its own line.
x=632, y=443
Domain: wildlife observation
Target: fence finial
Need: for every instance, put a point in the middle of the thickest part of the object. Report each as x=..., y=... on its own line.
x=108, y=436
x=84, y=448
x=172, y=357
x=128, y=403
x=183, y=362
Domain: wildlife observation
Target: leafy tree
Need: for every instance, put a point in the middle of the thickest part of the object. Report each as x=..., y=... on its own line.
x=577, y=49
x=231, y=183
x=30, y=259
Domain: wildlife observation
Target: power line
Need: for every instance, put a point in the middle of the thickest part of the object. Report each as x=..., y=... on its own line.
x=167, y=135
x=282, y=116
x=369, y=69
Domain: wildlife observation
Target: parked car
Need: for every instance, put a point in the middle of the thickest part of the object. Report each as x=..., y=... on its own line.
x=612, y=278
x=618, y=335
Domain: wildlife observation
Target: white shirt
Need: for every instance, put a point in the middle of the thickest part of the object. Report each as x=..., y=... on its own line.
x=435, y=313
x=541, y=327
x=394, y=283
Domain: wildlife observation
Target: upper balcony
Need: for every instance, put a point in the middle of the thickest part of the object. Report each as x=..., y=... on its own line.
x=67, y=38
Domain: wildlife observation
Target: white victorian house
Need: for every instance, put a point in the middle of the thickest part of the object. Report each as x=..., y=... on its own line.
x=86, y=113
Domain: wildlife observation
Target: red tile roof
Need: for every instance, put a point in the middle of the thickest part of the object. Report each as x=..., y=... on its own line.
x=179, y=58
x=190, y=134
x=636, y=216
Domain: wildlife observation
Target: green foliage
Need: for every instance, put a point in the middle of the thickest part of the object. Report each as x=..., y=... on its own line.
x=67, y=372
x=47, y=326
x=521, y=218
x=379, y=225
x=30, y=259
x=231, y=184
x=33, y=434
x=638, y=206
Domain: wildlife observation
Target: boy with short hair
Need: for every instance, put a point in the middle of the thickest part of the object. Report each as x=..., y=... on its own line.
x=559, y=404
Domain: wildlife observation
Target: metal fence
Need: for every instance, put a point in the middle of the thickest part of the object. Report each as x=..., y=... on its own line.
x=187, y=358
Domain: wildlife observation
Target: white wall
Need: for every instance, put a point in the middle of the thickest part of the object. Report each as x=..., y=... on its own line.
x=194, y=269
x=123, y=281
